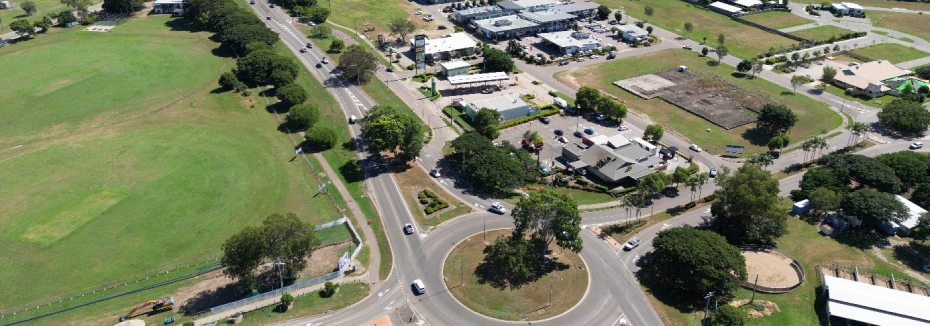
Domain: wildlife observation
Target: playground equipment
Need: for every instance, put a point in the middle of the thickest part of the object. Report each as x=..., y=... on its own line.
x=161, y=304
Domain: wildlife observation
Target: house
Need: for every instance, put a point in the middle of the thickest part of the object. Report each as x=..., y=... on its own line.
x=867, y=304
x=509, y=106
x=633, y=34
x=569, y=42
x=505, y=27
x=452, y=46
x=174, y=7
x=455, y=68
x=847, y=9
x=746, y=4
x=908, y=222
x=629, y=162
x=868, y=78
x=725, y=9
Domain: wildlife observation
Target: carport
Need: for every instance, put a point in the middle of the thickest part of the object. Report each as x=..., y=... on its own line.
x=483, y=79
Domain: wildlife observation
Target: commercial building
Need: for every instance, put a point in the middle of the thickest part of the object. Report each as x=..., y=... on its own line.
x=628, y=162
x=509, y=106
x=633, y=34
x=455, y=68
x=868, y=79
x=445, y=48
x=747, y=3
x=581, y=10
x=174, y=7
x=847, y=8
x=505, y=27
x=521, y=5
x=548, y=21
x=478, y=13
x=725, y=9
x=874, y=305
x=523, y=17
x=569, y=42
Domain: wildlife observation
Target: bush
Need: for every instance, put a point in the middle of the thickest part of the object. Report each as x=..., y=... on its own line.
x=435, y=206
x=228, y=81
x=303, y=116
x=546, y=111
x=582, y=182
x=321, y=138
x=188, y=323
x=287, y=299
x=601, y=188
x=291, y=95
x=410, y=67
x=329, y=288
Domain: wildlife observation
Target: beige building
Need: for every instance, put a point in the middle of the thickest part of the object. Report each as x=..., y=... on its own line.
x=868, y=78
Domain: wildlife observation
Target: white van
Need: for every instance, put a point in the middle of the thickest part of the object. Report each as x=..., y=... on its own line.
x=419, y=287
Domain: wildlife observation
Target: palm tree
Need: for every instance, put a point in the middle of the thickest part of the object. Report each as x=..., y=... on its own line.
x=693, y=182
x=702, y=177
x=858, y=129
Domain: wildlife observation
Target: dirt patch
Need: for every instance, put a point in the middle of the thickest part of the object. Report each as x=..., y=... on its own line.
x=326, y=259
x=348, y=39
x=759, y=308
x=383, y=321
x=774, y=270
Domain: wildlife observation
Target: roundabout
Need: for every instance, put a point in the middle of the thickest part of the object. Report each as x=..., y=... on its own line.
x=478, y=284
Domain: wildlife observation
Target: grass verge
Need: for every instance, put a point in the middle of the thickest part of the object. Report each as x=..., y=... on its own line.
x=411, y=180
x=309, y=305
x=778, y=19
x=905, y=23
x=821, y=33
x=893, y=52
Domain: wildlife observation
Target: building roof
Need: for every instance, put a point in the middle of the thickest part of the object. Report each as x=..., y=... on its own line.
x=567, y=39
x=629, y=161
x=633, y=30
x=158, y=2
x=477, y=78
x=533, y=3
x=477, y=10
x=914, y=212
x=573, y=7
x=617, y=141
x=747, y=3
x=511, y=22
x=500, y=103
x=509, y=5
x=726, y=7
x=599, y=139
x=547, y=16
x=874, y=304
x=453, y=65
x=872, y=72
x=453, y=42
x=851, y=5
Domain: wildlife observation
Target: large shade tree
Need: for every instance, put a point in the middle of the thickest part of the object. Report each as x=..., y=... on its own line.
x=686, y=262
x=872, y=207
x=358, y=64
x=497, y=61
x=747, y=209
x=280, y=237
x=386, y=129
x=776, y=119
x=490, y=169
x=548, y=217
x=905, y=117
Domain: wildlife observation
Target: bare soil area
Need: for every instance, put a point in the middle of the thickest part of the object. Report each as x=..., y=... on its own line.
x=774, y=270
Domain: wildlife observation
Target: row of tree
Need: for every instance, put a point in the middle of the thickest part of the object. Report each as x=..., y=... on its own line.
x=282, y=238
x=491, y=169
x=25, y=28
x=588, y=98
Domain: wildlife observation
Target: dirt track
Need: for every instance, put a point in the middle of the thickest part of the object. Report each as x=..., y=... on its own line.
x=774, y=270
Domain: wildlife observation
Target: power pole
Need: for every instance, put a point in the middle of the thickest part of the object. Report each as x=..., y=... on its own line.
x=550, y=292
x=462, y=270
x=278, y=263
x=707, y=305
x=754, y=289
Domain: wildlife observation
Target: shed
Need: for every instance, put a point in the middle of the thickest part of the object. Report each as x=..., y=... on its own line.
x=801, y=207
x=725, y=9
x=455, y=68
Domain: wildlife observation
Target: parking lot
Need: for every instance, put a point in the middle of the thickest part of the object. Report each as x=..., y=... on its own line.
x=535, y=45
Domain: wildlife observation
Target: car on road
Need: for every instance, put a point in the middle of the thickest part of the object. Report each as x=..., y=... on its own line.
x=545, y=120
x=267, y=17
x=418, y=13
x=916, y=145
x=611, y=56
x=352, y=119
x=927, y=268
x=633, y=243
x=578, y=134
x=558, y=132
x=418, y=287
x=303, y=50
x=309, y=45
x=498, y=208
x=325, y=61
x=593, y=56
x=624, y=128
x=434, y=173
x=601, y=117
x=390, y=69
x=319, y=65
x=589, y=131
x=408, y=229
x=580, y=60
x=271, y=5
x=563, y=63
x=696, y=148
x=251, y=2
x=712, y=173
x=686, y=47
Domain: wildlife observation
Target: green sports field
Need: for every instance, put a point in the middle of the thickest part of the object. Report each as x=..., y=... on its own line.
x=119, y=155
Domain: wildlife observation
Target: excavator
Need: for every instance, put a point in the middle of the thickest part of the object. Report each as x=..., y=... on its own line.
x=161, y=304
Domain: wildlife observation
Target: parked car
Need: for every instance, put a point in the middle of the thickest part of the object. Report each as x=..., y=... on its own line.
x=544, y=120
x=563, y=140
x=563, y=63
x=580, y=60
x=578, y=134
x=601, y=117
x=633, y=243
x=252, y=2
x=917, y=145
x=271, y=5
x=558, y=132
x=712, y=173
x=624, y=128
x=696, y=148
x=434, y=173
x=319, y=65
x=418, y=287
x=408, y=229
x=611, y=56
x=686, y=47
x=486, y=91
x=498, y=208
x=418, y=13
x=589, y=131
x=543, y=169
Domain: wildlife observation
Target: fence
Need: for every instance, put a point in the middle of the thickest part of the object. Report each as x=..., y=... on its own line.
x=330, y=224
x=795, y=265
x=762, y=11
x=276, y=293
x=772, y=30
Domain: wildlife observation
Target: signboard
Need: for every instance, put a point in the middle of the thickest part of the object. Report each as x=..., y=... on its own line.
x=733, y=149
x=344, y=261
x=419, y=44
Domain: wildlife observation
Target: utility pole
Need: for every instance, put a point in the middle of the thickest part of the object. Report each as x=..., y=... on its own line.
x=550, y=292
x=484, y=221
x=754, y=289
x=707, y=305
x=277, y=264
x=462, y=270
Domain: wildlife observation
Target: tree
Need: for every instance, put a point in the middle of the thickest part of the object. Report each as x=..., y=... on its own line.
x=649, y=29
x=511, y=260
x=872, y=207
x=680, y=176
x=798, y=80
x=320, y=31
x=921, y=195
x=388, y=130
x=358, y=64
x=689, y=27
x=922, y=230
x=29, y=7
x=337, y=46
x=687, y=262
x=287, y=299
x=744, y=66
x=242, y=253
x=746, y=207
x=910, y=167
x=922, y=71
x=721, y=39
x=618, y=16
x=778, y=142
x=776, y=119
x=65, y=17
x=857, y=129
x=497, y=61
x=587, y=98
x=489, y=168
x=722, y=51
x=289, y=239
x=291, y=95
x=303, y=116
x=228, y=81
x=728, y=315
x=122, y=6
x=514, y=48
x=321, y=137
x=603, y=12
x=795, y=57
x=866, y=171
x=486, y=121
x=547, y=217
x=402, y=27
x=820, y=177
x=828, y=74
x=238, y=36
x=317, y=14
x=654, y=132
x=281, y=77
x=77, y=5
x=705, y=51
x=44, y=24
x=610, y=108
x=904, y=117
x=329, y=289
x=824, y=200
x=762, y=159
x=23, y=27
x=806, y=56
x=648, y=11
x=258, y=67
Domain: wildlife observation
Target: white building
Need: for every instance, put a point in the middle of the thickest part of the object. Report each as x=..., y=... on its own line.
x=747, y=3
x=455, y=68
x=633, y=34
x=847, y=8
x=908, y=222
x=174, y=7
x=505, y=27
x=445, y=48
x=725, y=9
x=510, y=107
x=874, y=305
x=569, y=42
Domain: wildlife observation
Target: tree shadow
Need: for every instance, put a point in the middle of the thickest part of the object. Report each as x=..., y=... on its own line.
x=914, y=255
x=756, y=136
x=352, y=171
x=206, y=299
x=787, y=93
x=219, y=90
x=861, y=238
x=494, y=273
x=737, y=74
x=820, y=306
x=713, y=63
x=662, y=293
x=182, y=25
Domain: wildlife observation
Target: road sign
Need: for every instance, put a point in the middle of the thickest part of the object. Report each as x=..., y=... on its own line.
x=321, y=187
x=419, y=44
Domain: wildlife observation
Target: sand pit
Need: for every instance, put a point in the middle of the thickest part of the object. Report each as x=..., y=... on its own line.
x=774, y=270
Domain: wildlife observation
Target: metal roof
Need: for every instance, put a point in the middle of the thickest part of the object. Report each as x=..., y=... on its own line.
x=547, y=16
x=453, y=65
x=726, y=7
x=573, y=7
x=874, y=304
x=477, y=78
x=515, y=22
x=500, y=103
x=566, y=39
x=453, y=42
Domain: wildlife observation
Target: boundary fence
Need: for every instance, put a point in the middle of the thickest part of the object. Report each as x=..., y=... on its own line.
x=772, y=30
x=795, y=265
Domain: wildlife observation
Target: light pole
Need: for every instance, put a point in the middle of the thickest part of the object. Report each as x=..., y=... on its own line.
x=707, y=304
x=278, y=264
x=577, y=118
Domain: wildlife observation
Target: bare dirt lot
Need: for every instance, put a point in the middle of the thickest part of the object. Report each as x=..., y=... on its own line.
x=774, y=270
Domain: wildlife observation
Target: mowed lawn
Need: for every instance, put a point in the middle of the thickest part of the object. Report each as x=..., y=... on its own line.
x=106, y=179
x=378, y=14
x=917, y=25
x=813, y=117
x=893, y=52
x=778, y=19
x=743, y=41
x=43, y=7
x=821, y=33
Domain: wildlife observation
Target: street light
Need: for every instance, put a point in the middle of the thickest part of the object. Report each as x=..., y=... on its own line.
x=707, y=304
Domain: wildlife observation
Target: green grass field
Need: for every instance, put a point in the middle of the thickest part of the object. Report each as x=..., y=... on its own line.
x=821, y=33
x=893, y=52
x=118, y=158
x=778, y=19
x=309, y=305
x=916, y=25
x=813, y=117
x=744, y=41
x=43, y=7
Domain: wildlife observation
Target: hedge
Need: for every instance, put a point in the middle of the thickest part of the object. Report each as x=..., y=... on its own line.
x=546, y=111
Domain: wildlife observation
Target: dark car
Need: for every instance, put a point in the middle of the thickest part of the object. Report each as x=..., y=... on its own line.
x=390, y=69
x=303, y=50
x=271, y=5
x=544, y=120
x=558, y=132
x=589, y=131
x=578, y=134
x=319, y=65
x=309, y=45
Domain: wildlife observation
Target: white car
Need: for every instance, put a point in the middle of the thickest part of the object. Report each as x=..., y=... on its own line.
x=594, y=56
x=419, y=287
x=434, y=173
x=408, y=228
x=601, y=117
x=696, y=148
x=352, y=119
x=624, y=128
x=418, y=13
x=498, y=208
x=633, y=243
x=917, y=145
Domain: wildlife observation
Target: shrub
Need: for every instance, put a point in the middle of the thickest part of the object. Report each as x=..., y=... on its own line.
x=228, y=81
x=424, y=201
x=321, y=138
x=601, y=188
x=303, y=116
x=435, y=206
x=287, y=298
x=582, y=182
x=291, y=95
x=546, y=111
x=188, y=323
x=329, y=288
x=410, y=67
